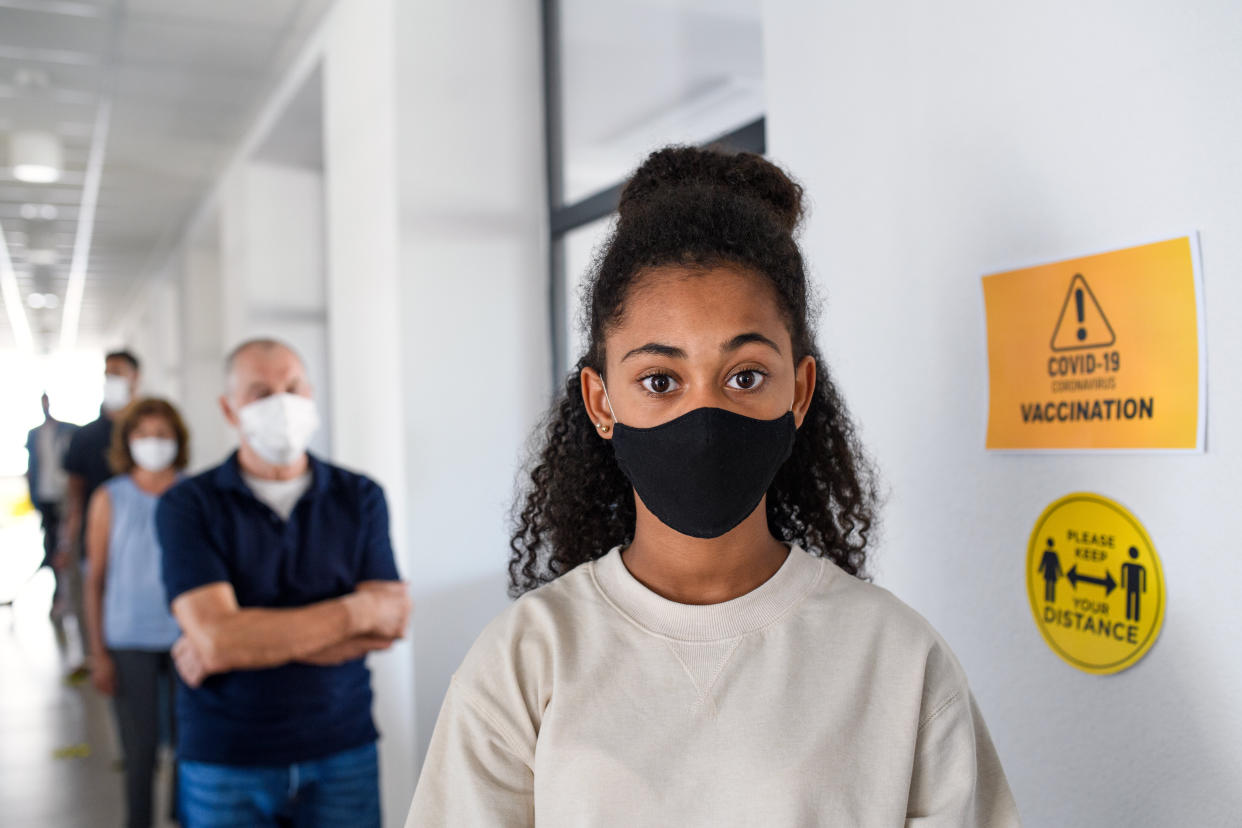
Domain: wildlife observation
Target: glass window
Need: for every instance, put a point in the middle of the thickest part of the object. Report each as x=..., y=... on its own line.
x=637, y=75
x=581, y=244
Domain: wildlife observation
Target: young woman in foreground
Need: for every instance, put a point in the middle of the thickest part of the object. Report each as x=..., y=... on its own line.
x=695, y=645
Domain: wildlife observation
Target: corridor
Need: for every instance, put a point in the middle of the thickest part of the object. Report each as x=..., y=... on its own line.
x=59, y=761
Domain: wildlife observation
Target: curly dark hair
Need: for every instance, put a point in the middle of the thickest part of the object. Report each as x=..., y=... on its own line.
x=698, y=209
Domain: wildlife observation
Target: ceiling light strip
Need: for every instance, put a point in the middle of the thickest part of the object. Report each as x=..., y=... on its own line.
x=53, y=7
x=13, y=299
x=85, y=229
x=64, y=57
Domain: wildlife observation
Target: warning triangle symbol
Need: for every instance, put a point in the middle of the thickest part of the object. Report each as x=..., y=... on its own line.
x=1082, y=323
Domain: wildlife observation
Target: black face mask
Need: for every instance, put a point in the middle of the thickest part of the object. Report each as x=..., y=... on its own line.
x=704, y=473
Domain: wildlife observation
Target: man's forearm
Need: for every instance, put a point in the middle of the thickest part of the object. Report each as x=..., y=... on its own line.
x=251, y=639
x=348, y=650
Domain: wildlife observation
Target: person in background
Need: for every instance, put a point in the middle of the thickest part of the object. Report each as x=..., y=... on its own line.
x=280, y=572
x=87, y=464
x=45, y=475
x=130, y=628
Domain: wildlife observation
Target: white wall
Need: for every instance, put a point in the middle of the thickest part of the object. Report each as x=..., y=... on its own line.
x=941, y=142
x=202, y=346
x=154, y=338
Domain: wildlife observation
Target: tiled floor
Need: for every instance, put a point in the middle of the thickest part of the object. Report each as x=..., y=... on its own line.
x=59, y=760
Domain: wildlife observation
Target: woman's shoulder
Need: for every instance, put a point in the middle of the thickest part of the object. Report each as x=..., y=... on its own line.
x=535, y=626
x=114, y=490
x=887, y=624
x=126, y=493
x=543, y=610
x=873, y=601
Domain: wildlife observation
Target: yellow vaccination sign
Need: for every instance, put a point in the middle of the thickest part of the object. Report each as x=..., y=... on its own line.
x=1100, y=352
x=1095, y=583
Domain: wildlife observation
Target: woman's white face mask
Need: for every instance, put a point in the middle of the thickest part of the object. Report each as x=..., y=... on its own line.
x=279, y=427
x=154, y=454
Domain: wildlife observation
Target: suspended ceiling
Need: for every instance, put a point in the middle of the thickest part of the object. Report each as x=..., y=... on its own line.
x=185, y=78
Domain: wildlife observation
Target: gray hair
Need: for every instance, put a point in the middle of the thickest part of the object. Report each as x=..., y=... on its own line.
x=263, y=343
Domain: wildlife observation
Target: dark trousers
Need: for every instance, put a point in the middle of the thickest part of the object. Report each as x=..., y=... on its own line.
x=50, y=513
x=139, y=676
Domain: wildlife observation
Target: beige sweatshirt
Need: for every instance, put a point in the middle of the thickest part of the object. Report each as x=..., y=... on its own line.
x=815, y=700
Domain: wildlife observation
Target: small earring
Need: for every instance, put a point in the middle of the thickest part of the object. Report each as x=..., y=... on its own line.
x=602, y=427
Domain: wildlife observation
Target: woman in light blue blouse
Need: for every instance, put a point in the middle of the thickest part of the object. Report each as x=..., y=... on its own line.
x=130, y=628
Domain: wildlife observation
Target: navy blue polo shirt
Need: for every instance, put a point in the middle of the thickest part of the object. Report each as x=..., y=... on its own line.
x=212, y=528
x=87, y=456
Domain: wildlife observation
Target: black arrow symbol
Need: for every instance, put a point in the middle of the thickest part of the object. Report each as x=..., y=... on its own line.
x=1107, y=581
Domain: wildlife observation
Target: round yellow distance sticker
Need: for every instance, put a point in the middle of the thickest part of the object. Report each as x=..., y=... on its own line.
x=1095, y=583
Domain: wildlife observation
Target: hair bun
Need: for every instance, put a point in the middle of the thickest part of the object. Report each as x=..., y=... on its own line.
x=742, y=173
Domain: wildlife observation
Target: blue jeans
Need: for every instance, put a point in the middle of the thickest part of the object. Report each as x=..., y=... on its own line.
x=338, y=790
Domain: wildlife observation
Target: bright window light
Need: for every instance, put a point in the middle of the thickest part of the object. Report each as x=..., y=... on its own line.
x=73, y=381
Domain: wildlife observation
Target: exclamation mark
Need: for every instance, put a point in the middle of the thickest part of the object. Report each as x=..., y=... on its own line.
x=1082, y=332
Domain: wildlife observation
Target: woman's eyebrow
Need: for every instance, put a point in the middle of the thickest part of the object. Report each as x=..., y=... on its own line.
x=658, y=350
x=743, y=339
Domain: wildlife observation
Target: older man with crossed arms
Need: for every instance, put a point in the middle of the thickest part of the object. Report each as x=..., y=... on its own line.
x=280, y=572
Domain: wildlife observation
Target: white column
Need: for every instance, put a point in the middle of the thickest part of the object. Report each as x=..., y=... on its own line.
x=475, y=308
x=438, y=311
x=364, y=321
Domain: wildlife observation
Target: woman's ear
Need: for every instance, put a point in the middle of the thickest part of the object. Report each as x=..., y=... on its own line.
x=596, y=401
x=804, y=388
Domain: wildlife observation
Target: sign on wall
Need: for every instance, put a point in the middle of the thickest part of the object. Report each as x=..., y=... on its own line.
x=1100, y=352
x=1095, y=583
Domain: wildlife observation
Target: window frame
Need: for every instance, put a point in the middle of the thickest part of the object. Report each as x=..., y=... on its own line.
x=565, y=218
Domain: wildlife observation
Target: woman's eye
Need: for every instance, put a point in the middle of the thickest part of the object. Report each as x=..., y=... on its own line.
x=659, y=383
x=746, y=380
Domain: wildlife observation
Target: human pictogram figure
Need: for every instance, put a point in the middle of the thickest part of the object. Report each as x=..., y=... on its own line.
x=1134, y=581
x=1050, y=566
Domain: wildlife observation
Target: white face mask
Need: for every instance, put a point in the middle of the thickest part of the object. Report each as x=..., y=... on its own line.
x=279, y=427
x=153, y=453
x=116, y=392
